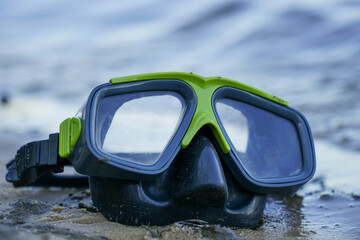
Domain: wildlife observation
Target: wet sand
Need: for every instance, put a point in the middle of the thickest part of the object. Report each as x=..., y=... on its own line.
x=316, y=212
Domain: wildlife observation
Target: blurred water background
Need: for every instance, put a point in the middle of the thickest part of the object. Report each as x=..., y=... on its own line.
x=52, y=53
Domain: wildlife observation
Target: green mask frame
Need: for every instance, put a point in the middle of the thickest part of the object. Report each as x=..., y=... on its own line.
x=204, y=88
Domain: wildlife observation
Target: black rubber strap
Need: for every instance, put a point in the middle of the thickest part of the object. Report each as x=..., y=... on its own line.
x=35, y=163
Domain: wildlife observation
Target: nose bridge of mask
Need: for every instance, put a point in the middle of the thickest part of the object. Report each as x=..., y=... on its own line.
x=204, y=115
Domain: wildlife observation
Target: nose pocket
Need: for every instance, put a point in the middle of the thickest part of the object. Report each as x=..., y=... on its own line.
x=200, y=177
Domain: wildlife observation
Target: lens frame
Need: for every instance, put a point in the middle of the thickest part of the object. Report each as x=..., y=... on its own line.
x=140, y=133
x=129, y=169
x=243, y=175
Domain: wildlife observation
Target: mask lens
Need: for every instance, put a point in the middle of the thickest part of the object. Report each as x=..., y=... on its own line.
x=137, y=127
x=266, y=144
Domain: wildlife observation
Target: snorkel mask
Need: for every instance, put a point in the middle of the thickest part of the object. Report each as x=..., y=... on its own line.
x=165, y=147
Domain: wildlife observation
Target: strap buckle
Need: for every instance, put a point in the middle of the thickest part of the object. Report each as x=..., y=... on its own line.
x=34, y=160
x=36, y=163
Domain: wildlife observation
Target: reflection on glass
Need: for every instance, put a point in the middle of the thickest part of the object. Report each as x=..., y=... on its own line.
x=138, y=126
x=266, y=144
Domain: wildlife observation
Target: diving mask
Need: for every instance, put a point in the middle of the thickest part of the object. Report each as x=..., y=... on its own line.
x=133, y=128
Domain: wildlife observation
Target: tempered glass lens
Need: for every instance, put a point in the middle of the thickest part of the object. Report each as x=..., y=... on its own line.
x=266, y=144
x=137, y=127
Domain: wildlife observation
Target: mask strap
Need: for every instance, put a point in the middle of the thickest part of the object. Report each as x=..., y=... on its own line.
x=35, y=164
